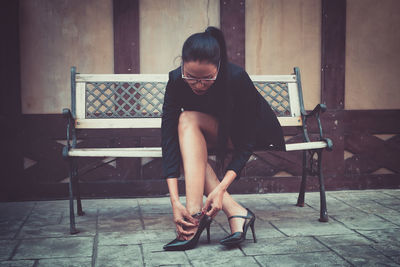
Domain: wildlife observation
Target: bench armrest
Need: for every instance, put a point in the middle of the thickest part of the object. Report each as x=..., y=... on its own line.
x=71, y=135
x=320, y=108
x=315, y=113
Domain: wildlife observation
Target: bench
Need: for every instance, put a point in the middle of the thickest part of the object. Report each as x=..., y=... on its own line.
x=104, y=101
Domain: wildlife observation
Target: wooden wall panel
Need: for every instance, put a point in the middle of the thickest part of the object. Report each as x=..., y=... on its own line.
x=126, y=36
x=232, y=19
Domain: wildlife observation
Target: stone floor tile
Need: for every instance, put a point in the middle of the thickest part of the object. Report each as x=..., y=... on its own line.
x=360, y=221
x=390, y=215
x=303, y=259
x=9, y=228
x=393, y=193
x=210, y=252
x=282, y=245
x=343, y=240
x=57, y=230
x=364, y=256
x=154, y=255
x=158, y=221
x=43, y=219
x=310, y=227
x=247, y=261
x=17, y=263
x=396, y=259
x=135, y=237
x=119, y=225
x=15, y=210
x=392, y=203
x=54, y=247
x=385, y=235
x=65, y=262
x=6, y=248
x=119, y=256
x=288, y=213
x=388, y=248
x=263, y=229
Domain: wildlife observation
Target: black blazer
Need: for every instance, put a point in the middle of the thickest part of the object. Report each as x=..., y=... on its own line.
x=254, y=124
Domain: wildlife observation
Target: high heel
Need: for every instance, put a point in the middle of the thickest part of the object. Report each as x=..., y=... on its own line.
x=177, y=244
x=238, y=237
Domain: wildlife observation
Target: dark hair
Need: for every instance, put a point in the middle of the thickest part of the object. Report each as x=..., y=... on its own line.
x=209, y=46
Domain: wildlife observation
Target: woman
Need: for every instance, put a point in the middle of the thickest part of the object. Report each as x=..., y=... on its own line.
x=211, y=104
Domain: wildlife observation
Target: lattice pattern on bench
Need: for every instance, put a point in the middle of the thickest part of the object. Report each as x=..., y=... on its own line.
x=145, y=99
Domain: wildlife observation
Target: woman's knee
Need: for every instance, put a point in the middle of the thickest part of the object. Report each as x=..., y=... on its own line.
x=187, y=119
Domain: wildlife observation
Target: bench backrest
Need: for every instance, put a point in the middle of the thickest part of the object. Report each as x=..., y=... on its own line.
x=136, y=99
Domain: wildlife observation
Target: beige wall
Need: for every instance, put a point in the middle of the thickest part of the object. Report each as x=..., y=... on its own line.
x=165, y=25
x=282, y=34
x=54, y=36
x=372, y=54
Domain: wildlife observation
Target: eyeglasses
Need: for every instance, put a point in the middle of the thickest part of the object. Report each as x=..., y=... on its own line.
x=193, y=81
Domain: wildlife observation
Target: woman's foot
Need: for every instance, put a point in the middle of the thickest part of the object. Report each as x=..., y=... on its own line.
x=179, y=245
x=236, y=224
x=238, y=237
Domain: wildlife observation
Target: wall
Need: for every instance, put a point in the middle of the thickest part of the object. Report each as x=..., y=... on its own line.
x=372, y=54
x=282, y=34
x=56, y=35
x=165, y=25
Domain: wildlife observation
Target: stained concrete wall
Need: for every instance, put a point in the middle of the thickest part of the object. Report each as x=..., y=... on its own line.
x=165, y=25
x=372, y=54
x=54, y=36
x=282, y=34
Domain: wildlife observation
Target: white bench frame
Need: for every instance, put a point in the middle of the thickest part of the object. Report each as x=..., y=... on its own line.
x=77, y=120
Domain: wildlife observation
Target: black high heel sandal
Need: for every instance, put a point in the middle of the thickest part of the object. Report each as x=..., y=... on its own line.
x=177, y=244
x=238, y=237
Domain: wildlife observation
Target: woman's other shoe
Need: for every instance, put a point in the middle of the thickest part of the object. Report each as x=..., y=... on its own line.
x=177, y=244
x=238, y=237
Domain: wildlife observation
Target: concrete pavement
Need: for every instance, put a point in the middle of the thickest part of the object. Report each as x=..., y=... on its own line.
x=363, y=230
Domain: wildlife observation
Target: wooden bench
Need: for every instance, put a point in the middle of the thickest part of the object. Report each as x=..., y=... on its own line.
x=104, y=101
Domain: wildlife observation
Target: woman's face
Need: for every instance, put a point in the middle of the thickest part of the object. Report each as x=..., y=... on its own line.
x=199, y=75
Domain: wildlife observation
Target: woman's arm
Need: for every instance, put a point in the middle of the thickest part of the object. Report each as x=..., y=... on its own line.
x=173, y=190
x=214, y=199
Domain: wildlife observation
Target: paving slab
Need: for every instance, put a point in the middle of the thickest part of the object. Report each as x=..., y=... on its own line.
x=15, y=210
x=343, y=240
x=135, y=237
x=154, y=255
x=9, y=228
x=18, y=263
x=361, y=221
x=303, y=259
x=310, y=227
x=119, y=256
x=283, y=245
x=240, y=261
x=385, y=235
x=364, y=256
x=114, y=224
x=6, y=248
x=54, y=247
x=364, y=230
x=65, y=262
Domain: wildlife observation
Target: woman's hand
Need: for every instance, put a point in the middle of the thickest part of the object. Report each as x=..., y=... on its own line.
x=214, y=202
x=183, y=221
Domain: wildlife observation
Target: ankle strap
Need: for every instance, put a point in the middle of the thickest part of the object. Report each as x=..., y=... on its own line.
x=239, y=216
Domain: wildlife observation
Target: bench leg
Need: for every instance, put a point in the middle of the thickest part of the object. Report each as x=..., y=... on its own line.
x=300, y=199
x=77, y=191
x=323, y=211
x=72, y=227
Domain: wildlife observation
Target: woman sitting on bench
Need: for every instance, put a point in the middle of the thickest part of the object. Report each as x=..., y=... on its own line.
x=211, y=105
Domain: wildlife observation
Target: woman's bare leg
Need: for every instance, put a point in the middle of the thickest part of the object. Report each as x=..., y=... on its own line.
x=193, y=148
x=229, y=205
x=197, y=130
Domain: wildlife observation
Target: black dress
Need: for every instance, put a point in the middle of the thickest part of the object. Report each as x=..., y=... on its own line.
x=254, y=124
